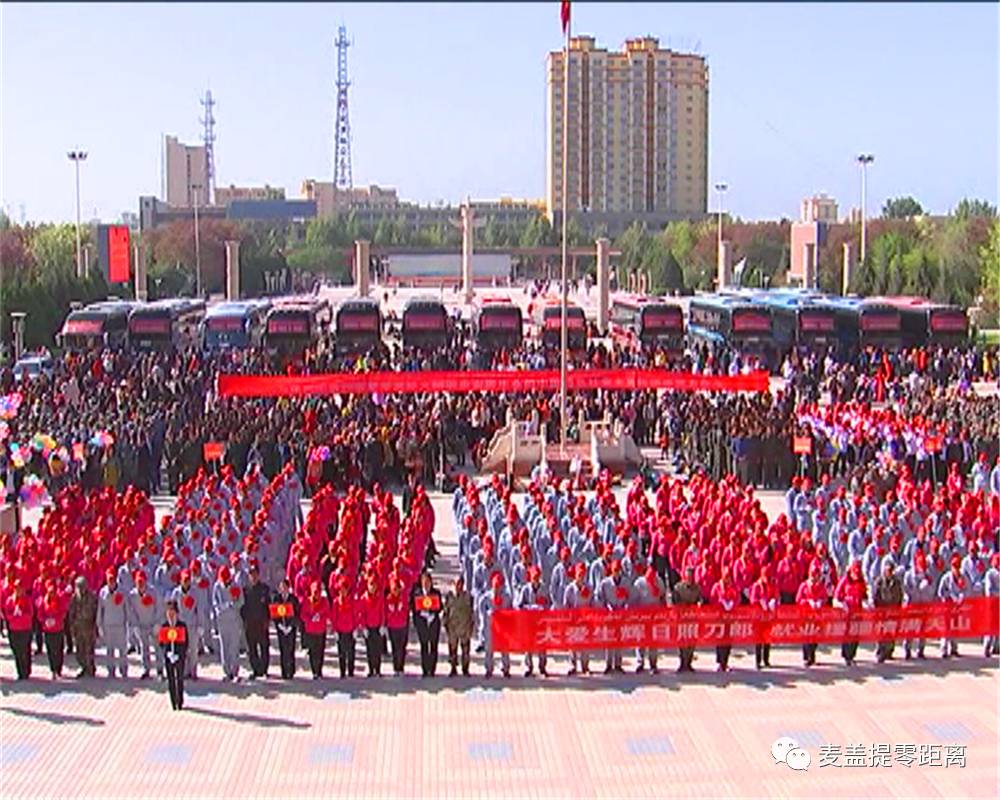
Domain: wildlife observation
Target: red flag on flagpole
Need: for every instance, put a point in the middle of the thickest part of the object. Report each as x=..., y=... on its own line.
x=564, y=15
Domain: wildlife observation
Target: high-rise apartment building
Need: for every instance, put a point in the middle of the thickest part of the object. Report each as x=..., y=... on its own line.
x=638, y=130
x=185, y=166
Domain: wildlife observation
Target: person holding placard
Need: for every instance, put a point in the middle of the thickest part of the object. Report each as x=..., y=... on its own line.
x=174, y=644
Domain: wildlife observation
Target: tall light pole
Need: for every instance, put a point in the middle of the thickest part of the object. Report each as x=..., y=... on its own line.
x=720, y=188
x=563, y=343
x=76, y=156
x=864, y=160
x=195, y=190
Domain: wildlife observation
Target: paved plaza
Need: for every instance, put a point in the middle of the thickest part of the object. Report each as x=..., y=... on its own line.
x=702, y=734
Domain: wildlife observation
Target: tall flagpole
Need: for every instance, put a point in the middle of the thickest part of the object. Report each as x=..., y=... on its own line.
x=565, y=248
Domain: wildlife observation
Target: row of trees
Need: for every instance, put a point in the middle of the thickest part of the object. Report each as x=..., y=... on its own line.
x=951, y=259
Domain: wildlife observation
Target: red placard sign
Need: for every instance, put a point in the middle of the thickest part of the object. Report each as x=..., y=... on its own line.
x=213, y=451
x=802, y=445
x=281, y=610
x=118, y=256
x=175, y=635
x=428, y=602
x=934, y=444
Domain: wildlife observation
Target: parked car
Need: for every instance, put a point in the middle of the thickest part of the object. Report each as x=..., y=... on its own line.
x=31, y=367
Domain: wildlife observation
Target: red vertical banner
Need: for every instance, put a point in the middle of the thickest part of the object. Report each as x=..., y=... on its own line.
x=118, y=254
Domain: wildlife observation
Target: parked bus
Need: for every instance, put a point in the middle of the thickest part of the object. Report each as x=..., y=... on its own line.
x=548, y=318
x=798, y=320
x=166, y=324
x=651, y=322
x=925, y=322
x=296, y=323
x=103, y=324
x=425, y=323
x=235, y=324
x=864, y=322
x=732, y=321
x=359, y=325
x=497, y=323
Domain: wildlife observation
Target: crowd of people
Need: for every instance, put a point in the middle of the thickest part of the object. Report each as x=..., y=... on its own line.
x=707, y=542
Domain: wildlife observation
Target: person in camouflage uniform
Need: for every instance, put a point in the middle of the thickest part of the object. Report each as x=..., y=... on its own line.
x=83, y=624
x=458, y=625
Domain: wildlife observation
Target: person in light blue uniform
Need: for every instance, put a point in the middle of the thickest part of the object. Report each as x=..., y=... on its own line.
x=227, y=600
x=613, y=594
x=954, y=589
x=648, y=591
x=496, y=599
x=991, y=589
x=533, y=597
x=579, y=594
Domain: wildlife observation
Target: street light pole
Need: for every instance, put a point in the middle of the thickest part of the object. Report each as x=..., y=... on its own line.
x=76, y=156
x=195, y=189
x=563, y=344
x=864, y=160
x=720, y=188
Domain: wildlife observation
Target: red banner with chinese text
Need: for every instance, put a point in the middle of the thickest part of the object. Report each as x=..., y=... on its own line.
x=707, y=626
x=483, y=381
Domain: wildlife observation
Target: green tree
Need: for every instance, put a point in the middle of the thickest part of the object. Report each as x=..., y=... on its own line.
x=974, y=208
x=901, y=208
x=989, y=256
x=53, y=248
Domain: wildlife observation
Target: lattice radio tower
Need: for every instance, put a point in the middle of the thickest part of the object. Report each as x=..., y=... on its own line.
x=208, y=139
x=342, y=130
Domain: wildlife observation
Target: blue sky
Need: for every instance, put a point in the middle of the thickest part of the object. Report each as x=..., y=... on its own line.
x=449, y=99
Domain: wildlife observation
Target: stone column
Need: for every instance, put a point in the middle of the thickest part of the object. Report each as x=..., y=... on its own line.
x=603, y=282
x=724, y=276
x=141, y=284
x=468, y=245
x=232, y=270
x=848, y=274
x=809, y=265
x=362, y=255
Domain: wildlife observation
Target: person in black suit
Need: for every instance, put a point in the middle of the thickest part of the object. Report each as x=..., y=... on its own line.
x=426, y=605
x=255, y=623
x=174, y=643
x=286, y=627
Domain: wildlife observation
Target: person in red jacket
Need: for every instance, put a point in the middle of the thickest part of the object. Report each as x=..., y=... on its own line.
x=51, y=610
x=397, y=620
x=850, y=595
x=372, y=612
x=345, y=619
x=764, y=594
x=727, y=597
x=17, y=613
x=812, y=594
x=315, y=615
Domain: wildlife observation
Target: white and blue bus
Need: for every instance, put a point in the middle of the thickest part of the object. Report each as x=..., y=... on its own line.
x=732, y=321
x=798, y=319
x=237, y=325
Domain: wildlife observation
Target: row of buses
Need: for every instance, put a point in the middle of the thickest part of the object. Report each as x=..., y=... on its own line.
x=765, y=323
x=770, y=323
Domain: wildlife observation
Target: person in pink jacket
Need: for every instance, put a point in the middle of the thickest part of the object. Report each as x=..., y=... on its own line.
x=315, y=615
x=371, y=609
x=345, y=619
